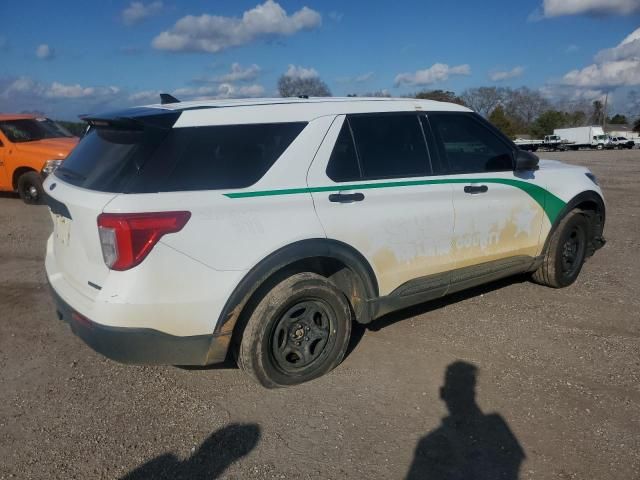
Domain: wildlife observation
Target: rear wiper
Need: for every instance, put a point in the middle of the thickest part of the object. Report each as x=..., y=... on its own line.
x=70, y=173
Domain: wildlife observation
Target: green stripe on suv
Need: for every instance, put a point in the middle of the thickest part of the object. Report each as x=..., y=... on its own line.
x=551, y=204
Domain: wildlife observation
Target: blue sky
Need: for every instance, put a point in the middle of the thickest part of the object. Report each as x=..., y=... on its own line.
x=73, y=57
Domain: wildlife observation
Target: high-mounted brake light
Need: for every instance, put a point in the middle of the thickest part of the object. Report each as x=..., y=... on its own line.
x=127, y=238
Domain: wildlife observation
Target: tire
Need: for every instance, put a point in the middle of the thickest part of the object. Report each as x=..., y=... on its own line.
x=566, y=252
x=297, y=332
x=30, y=188
x=600, y=146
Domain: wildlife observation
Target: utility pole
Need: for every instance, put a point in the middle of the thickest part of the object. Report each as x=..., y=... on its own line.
x=604, y=113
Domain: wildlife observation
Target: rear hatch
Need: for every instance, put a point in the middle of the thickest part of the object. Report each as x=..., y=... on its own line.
x=107, y=162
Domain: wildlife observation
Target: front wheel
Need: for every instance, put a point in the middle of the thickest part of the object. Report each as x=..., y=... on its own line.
x=600, y=146
x=30, y=188
x=299, y=331
x=566, y=252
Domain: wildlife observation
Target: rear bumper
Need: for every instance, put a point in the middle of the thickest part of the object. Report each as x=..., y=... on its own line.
x=143, y=345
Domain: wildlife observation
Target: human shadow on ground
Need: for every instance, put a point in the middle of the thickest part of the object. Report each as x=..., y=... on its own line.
x=215, y=455
x=469, y=444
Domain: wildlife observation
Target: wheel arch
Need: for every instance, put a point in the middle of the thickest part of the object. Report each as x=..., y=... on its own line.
x=347, y=268
x=17, y=173
x=590, y=201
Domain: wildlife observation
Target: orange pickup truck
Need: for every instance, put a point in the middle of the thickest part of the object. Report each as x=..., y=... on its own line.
x=31, y=147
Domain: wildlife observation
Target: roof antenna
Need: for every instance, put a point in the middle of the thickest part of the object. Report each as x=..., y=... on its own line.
x=166, y=98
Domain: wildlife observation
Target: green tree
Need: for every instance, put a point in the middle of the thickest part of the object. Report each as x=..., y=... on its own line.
x=499, y=119
x=618, y=119
x=439, y=96
x=547, y=122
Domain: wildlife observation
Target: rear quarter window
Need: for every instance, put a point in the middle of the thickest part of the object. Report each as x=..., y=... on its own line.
x=225, y=157
x=178, y=159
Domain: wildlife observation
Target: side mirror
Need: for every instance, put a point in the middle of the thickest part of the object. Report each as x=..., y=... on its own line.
x=526, y=160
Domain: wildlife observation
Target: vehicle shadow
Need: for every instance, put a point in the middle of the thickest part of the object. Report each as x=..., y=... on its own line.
x=469, y=444
x=9, y=195
x=359, y=330
x=215, y=455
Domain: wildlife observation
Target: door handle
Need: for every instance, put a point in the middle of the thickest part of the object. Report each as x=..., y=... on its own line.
x=346, y=197
x=475, y=189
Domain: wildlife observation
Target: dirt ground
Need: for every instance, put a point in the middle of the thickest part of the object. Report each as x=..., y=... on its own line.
x=557, y=394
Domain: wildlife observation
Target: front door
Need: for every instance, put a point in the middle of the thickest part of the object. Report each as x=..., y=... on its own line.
x=5, y=184
x=498, y=212
x=373, y=189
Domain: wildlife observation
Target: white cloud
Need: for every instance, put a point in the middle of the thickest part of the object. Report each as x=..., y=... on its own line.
x=26, y=86
x=212, y=33
x=60, y=90
x=613, y=67
x=224, y=90
x=301, y=73
x=556, y=8
x=136, y=12
x=501, y=75
x=239, y=74
x=45, y=52
x=145, y=96
x=438, y=72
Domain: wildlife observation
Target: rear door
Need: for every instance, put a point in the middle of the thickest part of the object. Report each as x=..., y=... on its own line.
x=498, y=214
x=373, y=189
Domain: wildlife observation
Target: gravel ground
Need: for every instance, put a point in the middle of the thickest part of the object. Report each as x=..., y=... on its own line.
x=557, y=394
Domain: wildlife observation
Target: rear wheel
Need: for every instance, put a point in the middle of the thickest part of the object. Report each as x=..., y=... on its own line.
x=30, y=188
x=566, y=252
x=298, y=331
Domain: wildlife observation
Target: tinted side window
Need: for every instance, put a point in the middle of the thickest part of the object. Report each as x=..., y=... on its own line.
x=390, y=145
x=468, y=145
x=343, y=164
x=230, y=156
x=179, y=159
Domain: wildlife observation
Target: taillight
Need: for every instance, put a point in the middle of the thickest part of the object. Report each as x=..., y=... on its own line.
x=127, y=238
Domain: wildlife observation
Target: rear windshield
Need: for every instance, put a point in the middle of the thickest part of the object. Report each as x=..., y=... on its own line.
x=178, y=159
x=32, y=129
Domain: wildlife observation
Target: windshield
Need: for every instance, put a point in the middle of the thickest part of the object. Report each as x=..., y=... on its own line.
x=32, y=129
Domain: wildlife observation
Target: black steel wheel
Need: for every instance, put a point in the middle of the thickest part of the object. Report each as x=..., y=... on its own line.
x=298, y=331
x=566, y=252
x=302, y=335
x=573, y=250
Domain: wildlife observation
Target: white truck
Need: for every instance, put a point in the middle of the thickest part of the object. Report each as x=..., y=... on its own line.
x=550, y=143
x=584, y=137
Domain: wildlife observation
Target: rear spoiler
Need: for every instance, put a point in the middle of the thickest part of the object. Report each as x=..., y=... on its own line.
x=133, y=119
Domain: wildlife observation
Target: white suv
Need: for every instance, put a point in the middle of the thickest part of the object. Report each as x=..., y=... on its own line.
x=186, y=232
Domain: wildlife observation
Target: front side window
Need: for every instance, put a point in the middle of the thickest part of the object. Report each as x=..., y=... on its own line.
x=32, y=129
x=468, y=146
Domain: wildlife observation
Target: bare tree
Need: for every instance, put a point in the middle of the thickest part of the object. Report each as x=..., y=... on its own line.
x=483, y=99
x=439, y=96
x=289, y=86
x=524, y=104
